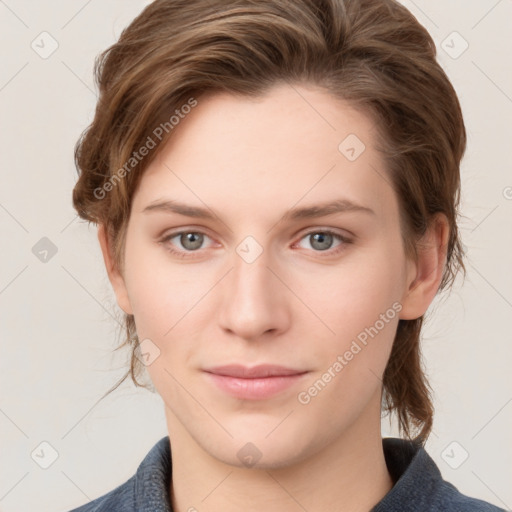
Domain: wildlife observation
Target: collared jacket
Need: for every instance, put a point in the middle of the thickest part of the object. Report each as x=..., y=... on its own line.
x=419, y=486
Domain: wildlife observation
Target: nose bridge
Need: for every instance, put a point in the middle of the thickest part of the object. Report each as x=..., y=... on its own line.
x=252, y=303
x=251, y=274
x=251, y=279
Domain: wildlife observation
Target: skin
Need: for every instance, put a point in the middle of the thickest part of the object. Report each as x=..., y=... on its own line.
x=250, y=160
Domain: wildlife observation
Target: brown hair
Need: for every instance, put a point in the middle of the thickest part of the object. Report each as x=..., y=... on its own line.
x=372, y=53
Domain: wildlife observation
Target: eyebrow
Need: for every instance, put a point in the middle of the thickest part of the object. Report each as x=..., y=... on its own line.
x=306, y=212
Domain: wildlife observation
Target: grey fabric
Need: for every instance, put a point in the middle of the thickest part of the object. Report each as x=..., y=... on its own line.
x=418, y=485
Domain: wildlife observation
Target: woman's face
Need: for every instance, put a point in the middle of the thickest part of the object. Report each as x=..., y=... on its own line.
x=268, y=275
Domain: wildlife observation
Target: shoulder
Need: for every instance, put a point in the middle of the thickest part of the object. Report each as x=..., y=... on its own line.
x=122, y=498
x=147, y=489
x=419, y=484
x=445, y=497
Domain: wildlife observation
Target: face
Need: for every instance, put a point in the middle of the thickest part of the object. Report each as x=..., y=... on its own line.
x=234, y=258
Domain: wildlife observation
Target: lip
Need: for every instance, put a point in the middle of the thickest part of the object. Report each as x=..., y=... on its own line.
x=254, y=383
x=253, y=372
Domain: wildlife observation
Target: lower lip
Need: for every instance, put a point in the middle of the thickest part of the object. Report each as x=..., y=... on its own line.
x=256, y=388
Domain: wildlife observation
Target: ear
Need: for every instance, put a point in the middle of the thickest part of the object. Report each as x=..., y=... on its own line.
x=114, y=275
x=424, y=276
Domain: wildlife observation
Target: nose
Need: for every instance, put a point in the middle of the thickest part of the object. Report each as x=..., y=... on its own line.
x=255, y=300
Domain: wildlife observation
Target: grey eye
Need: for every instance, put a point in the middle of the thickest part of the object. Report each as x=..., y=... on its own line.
x=321, y=241
x=191, y=240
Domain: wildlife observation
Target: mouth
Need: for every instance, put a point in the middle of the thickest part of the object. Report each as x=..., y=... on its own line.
x=254, y=383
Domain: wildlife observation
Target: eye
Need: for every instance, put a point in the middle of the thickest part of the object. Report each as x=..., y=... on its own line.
x=190, y=241
x=322, y=240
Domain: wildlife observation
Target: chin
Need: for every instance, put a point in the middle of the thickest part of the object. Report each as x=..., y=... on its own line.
x=261, y=447
x=259, y=455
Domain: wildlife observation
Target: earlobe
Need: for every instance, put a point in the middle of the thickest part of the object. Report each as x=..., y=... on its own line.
x=425, y=275
x=114, y=275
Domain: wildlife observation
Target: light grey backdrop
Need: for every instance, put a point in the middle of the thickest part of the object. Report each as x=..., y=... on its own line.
x=58, y=315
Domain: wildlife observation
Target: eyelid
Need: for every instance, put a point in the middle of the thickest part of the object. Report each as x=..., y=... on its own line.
x=343, y=233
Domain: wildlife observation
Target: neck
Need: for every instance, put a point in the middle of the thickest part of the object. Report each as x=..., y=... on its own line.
x=350, y=471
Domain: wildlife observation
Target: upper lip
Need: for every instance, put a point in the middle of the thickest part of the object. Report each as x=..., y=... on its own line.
x=260, y=371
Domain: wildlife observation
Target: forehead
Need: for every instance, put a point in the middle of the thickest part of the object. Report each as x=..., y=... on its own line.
x=292, y=144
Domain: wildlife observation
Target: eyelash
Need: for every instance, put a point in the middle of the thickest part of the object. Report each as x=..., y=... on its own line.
x=331, y=252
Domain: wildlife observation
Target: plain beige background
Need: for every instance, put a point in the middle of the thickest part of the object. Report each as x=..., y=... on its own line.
x=57, y=312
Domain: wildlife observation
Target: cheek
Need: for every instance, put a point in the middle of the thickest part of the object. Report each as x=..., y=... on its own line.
x=355, y=294
x=163, y=303
x=160, y=292
x=360, y=304
x=362, y=310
